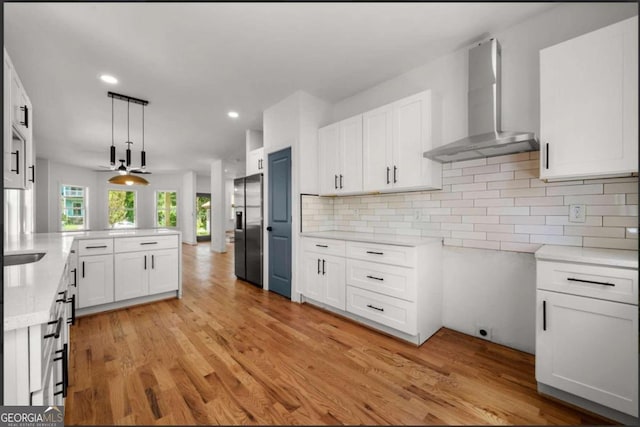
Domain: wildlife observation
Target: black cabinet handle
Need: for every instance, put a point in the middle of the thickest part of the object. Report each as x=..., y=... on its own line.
x=25, y=122
x=395, y=171
x=340, y=180
x=375, y=253
x=318, y=265
x=75, y=277
x=322, y=246
x=33, y=173
x=388, y=170
x=83, y=269
x=97, y=247
x=571, y=279
x=65, y=370
x=145, y=262
x=149, y=243
x=153, y=262
x=323, y=272
x=58, y=324
x=546, y=154
x=335, y=182
x=375, y=308
x=64, y=297
x=72, y=301
x=375, y=278
x=17, y=169
x=544, y=315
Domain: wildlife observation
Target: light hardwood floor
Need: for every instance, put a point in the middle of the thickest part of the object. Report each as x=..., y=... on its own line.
x=230, y=353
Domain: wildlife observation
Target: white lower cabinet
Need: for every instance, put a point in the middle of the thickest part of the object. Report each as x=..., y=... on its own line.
x=95, y=280
x=589, y=347
x=381, y=285
x=587, y=329
x=131, y=275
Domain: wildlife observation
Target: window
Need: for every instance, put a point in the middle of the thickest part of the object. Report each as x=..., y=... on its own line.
x=166, y=209
x=73, y=212
x=122, y=209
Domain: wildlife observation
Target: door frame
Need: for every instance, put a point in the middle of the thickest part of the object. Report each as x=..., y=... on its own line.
x=206, y=238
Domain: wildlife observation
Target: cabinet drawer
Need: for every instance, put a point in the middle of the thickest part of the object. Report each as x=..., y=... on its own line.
x=324, y=246
x=392, y=312
x=132, y=244
x=95, y=247
x=388, y=254
x=608, y=283
x=398, y=282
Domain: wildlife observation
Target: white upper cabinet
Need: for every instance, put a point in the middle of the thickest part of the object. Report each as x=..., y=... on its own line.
x=19, y=153
x=255, y=161
x=340, y=157
x=394, y=138
x=589, y=104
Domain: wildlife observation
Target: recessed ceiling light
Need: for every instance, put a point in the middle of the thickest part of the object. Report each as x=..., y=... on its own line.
x=108, y=79
x=233, y=114
x=226, y=170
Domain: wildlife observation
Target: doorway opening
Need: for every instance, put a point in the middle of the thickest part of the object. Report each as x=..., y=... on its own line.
x=203, y=217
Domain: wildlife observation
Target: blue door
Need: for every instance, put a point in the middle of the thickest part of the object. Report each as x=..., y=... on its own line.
x=279, y=225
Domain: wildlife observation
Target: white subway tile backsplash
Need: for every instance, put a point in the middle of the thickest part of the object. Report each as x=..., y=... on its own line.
x=606, y=199
x=571, y=190
x=578, y=230
x=620, y=221
x=539, y=229
x=520, y=219
x=601, y=242
x=522, y=192
x=500, y=176
x=481, y=170
x=539, y=201
x=469, y=187
x=480, y=219
x=495, y=203
x=556, y=240
x=516, y=183
x=517, y=166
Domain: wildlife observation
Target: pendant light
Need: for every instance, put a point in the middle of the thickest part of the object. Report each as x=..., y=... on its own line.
x=143, y=155
x=128, y=179
x=128, y=142
x=113, y=147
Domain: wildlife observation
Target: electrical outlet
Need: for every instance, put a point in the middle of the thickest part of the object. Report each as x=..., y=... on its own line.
x=577, y=213
x=483, y=332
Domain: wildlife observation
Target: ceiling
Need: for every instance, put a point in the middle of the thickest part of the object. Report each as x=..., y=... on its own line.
x=194, y=62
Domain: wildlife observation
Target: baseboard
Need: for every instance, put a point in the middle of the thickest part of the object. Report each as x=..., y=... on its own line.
x=126, y=303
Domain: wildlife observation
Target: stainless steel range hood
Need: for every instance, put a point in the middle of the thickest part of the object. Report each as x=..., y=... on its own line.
x=487, y=139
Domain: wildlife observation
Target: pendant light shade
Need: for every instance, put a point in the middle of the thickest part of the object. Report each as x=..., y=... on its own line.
x=128, y=180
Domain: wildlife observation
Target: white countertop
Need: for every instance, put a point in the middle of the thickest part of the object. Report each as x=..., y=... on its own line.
x=30, y=289
x=608, y=257
x=386, y=239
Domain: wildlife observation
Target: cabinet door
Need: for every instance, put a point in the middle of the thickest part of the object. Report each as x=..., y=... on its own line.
x=313, y=276
x=582, y=106
x=588, y=347
x=333, y=277
x=95, y=281
x=131, y=275
x=350, y=155
x=29, y=149
x=19, y=106
x=328, y=153
x=409, y=135
x=6, y=135
x=253, y=162
x=163, y=275
x=376, y=149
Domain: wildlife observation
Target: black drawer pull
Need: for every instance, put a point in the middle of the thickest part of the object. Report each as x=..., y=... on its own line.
x=544, y=315
x=83, y=269
x=33, y=173
x=546, y=154
x=145, y=262
x=388, y=170
x=318, y=265
x=375, y=308
x=25, y=122
x=323, y=271
x=72, y=301
x=571, y=279
x=149, y=243
x=58, y=324
x=375, y=253
x=335, y=182
x=395, y=172
x=340, y=180
x=322, y=246
x=153, y=262
x=97, y=247
x=64, y=297
x=375, y=278
x=17, y=169
x=75, y=277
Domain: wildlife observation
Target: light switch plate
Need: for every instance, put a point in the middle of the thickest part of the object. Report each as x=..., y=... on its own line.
x=577, y=213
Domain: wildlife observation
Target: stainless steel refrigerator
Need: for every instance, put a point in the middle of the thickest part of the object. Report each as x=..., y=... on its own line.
x=248, y=228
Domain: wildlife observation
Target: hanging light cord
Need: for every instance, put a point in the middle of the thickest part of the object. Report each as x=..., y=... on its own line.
x=142, y=127
x=128, y=139
x=112, y=143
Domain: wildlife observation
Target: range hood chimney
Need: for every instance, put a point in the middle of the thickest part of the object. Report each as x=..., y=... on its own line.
x=486, y=137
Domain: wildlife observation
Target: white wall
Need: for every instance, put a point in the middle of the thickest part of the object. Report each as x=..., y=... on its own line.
x=495, y=287
x=188, y=208
x=203, y=184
